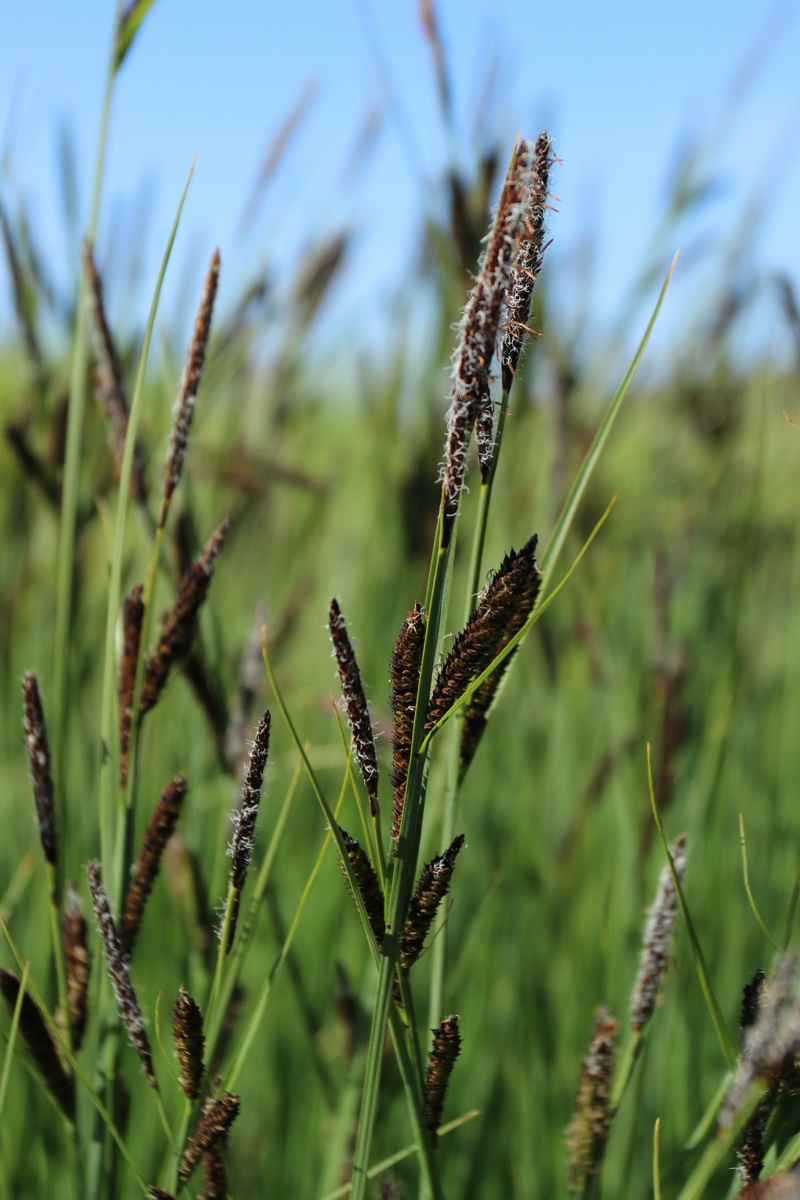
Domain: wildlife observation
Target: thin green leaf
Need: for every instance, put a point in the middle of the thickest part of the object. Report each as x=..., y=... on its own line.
x=566, y=518
x=128, y=27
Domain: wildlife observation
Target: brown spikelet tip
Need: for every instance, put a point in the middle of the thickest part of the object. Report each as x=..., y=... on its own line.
x=358, y=717
x=218, y=1116
x=654, y=957
x=158, y=1194
x=528, y=260
x=244, y=819
x=478, y=330
x=41, y=774
x=180, y=625
x=431, y=889
x=588, y=1131
x=190, y=382
x=132, y=616
x=159, y=830
x=120, y=973
x=771, y=1042
x=405, y=669
x=441, y=1060
x=187, y=1026
x=368, y=885
x=39, y=1040
x=503, y=608
x=77, y=962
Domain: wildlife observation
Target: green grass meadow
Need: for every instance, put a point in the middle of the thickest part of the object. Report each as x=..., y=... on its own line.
x=679, y=629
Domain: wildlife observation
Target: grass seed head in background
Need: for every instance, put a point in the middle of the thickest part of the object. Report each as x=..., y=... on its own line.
x=215, y=1182
x=588, y=1131
x=771, y=1042
x=358, y=717
x=244, y=820
x=132, y=617
x=218, y=1116
x=41, y=1044
x=120, y=973
x=77, y=962
x=190, y=382
x=654, y=957
x=41, y=772
x=441, y=1060
x=160, y=828
x=180, y=625
x=109, y=381
x=405, y=669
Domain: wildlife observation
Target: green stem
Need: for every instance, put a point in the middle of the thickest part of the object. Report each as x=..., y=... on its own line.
x=72, y=459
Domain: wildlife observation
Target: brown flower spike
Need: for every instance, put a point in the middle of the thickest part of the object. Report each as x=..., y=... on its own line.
x=120, y=972
x=588, y=1131
x=41, y=774
x=214, y=1124
x=187, y=1027
x=528, y=261
x=181, y=622
x=357, y=712
x=503, y=608
x=245, y=820
x=478, y=330
x=110, y=386
x=524, y=578
x=654, y=957
x=430, y=891
x=132, y=616
x=190, y=382
x=368, y=885
x=160, y=828
x=405, y=669
x=77, y=962
x=441, y=1060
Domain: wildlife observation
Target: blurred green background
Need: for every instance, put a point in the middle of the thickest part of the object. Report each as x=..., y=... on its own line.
x=679, y=629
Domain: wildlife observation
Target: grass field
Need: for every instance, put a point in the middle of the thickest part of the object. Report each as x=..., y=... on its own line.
x=679, y=630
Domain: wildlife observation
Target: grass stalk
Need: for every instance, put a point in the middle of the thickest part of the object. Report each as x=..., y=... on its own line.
x=72, y=463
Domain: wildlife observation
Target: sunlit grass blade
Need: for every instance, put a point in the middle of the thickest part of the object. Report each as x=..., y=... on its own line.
x=564, y=523
x=387, y=1163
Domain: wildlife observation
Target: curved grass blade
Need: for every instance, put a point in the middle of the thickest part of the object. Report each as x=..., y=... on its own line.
x=566, y=518
x=750, y=899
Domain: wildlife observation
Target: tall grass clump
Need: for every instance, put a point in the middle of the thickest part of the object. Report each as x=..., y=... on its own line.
x=586, y=686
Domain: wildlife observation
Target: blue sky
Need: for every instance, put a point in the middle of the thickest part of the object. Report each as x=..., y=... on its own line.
x=621, y=85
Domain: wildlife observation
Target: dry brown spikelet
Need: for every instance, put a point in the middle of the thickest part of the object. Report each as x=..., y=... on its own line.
x=588, y=1131
x=77, y=963
x=441, y=1060
x=160, y=827
x=180, y=625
